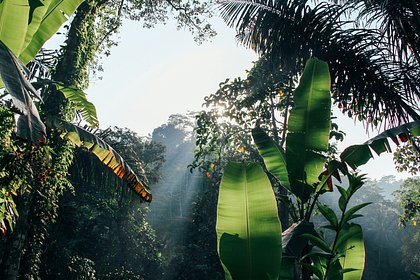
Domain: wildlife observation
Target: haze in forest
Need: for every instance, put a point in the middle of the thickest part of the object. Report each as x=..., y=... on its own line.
x=165, y=68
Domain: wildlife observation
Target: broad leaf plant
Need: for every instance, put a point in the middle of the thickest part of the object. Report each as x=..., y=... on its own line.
x=25, y=26
x=247, y=217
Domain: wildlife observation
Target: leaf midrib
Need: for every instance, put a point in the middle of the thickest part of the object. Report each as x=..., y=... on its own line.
x=307, y=114
x=248, y=230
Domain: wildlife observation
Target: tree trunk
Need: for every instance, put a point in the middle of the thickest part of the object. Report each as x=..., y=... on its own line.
x=12, y=254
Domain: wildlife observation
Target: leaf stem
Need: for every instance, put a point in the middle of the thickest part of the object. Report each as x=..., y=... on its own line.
x=340, y=225
x=311, y=208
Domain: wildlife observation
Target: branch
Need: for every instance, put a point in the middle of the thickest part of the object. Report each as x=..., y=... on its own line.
x=185, y=12
x=116, y=25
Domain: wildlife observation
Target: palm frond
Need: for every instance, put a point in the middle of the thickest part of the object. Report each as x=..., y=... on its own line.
x=398, y=21
x=366, y=83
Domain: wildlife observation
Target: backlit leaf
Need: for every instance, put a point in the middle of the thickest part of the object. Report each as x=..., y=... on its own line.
x=248, y=227
x=309, y=128
x=57, y=13
x=273, y=157
x=104, y=152
x=353, y=252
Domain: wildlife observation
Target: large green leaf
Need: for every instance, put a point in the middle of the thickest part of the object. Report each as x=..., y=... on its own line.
x=14, y=18
x=25, y=25
x=78, y=98
x=352, y=247
x=248, y=227
x=38, y=10
x=12, y=72
x=273, y=158
x=103, y=151
x=309, y=128
x=357, y=155
x=57, y=13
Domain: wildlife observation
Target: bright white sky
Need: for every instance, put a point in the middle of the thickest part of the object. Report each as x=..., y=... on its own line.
x=162, y=71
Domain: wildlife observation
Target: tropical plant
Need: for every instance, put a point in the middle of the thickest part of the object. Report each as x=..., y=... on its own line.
x=46, y=177
x=407, y=157
x=30, y=126
x=304, y=171
x=373, y=66
x=248, y=227
x=236, y=108
x=120, y=242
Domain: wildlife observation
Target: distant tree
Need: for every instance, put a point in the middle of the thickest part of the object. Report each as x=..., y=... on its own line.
x=411, y=251
x=407, y=157
x=199, y=259
x=175, y=195
x=408, y=197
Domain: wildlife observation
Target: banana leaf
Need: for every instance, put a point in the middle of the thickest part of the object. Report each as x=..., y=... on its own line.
x=248, y=227
x=357, y=155
x=26, y=25
x=36, y=15
x=352, y=247
x=58, y=12
x=309, y=128
x=78, y=98
x=12, y=72
x=14, y=15
x=103, y=151
x=273, y=157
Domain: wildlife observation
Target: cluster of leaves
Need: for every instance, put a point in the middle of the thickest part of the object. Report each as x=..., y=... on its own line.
x=190, y=14
x=223, y=131
x=345, y=254
x=408, y=197
x=119, y=243
x=407, y=157
x=382, y=234
x=13, y=162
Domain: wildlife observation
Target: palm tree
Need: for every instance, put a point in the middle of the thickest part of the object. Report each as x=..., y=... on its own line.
x=375, y=67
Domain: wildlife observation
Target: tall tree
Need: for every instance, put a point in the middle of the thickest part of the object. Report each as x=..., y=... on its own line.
x=85, y=38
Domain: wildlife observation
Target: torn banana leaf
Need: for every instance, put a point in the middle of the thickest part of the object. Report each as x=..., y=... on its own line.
x=357, y=155
x=104, y=152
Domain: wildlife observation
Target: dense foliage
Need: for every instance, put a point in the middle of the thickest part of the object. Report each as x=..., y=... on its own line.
x=100, y=225
x=67, y=210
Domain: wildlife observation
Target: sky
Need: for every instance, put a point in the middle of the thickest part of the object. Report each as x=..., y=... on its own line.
x=154, y=73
